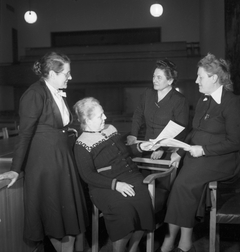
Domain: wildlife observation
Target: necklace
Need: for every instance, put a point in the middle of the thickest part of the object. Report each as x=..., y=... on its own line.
x=99, y=131
x=89, y=131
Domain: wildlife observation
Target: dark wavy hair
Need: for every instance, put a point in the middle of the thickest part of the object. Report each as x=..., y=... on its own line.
x=50, y=61
x=169, y=69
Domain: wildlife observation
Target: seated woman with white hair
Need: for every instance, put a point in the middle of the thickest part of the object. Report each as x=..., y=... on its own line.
x=115, y=183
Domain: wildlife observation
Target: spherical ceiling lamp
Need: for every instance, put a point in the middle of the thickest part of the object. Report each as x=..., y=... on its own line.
x=156, y=10
x=30, y=17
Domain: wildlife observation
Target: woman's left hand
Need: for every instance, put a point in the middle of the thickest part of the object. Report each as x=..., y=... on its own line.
x=125, y=189
x=196, y=151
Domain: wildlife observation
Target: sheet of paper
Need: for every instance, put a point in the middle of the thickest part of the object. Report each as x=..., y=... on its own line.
x=170, y=142
x=171, y=130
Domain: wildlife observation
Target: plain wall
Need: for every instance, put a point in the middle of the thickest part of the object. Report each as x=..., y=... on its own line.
x=212, y=27
x=179, y=22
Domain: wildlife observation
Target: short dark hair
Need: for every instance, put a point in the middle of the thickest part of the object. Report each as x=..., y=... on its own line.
x=169, y=69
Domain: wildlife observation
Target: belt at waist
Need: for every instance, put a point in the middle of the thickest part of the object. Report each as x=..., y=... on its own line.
x=46, y=128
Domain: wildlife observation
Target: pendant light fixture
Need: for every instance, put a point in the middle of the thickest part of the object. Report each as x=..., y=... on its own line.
x=30, y=16
x=156, y=10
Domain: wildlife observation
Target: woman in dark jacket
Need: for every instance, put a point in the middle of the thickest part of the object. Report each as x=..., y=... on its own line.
x=159, y=105
x=53, y=196
x=213, y=153
x=115, y=183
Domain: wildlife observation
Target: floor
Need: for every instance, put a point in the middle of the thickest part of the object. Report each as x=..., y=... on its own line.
x=229, y=239
x=229, y=235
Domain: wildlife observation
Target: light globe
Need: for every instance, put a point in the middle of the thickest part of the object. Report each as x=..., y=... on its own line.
x=30, y=17
x=156, y=10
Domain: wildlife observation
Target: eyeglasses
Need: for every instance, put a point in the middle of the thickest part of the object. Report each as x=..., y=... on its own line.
x=67, y=75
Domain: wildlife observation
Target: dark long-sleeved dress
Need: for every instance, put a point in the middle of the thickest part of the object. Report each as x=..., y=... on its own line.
x=217, y=130
x=54, y=202
x=103, y=159
x=156, y=115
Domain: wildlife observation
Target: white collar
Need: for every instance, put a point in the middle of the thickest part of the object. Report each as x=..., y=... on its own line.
x=217, y=95
x=54, y=90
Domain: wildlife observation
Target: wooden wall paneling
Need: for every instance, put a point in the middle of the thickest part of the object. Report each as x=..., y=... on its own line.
x=12, y=217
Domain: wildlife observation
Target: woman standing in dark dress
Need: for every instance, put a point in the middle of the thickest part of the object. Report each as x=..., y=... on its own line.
x=213, y=154
x=115, y=183
x=160, y=105
x=54, y=202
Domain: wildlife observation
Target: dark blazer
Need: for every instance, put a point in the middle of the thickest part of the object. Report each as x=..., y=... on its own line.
x=217, y=129
x=156, y=115
x=37, y=107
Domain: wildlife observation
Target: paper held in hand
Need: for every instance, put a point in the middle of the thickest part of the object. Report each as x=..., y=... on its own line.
x=166, y=137
x=170, y=142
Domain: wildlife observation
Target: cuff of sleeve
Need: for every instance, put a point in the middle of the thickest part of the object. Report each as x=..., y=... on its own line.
x=203, y=152
x=180, y=152
x=139, y=148
x=114, y=182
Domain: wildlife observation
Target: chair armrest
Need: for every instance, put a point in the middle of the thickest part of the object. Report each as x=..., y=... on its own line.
x=163, y=174
x=213, y=185
x=159, y=165
x=74, y=131
x=151, y=161
x=148, y=164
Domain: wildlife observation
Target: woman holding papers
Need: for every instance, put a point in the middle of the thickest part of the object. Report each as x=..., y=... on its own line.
x=54, y=202
x=159, y=105
x=213, y=153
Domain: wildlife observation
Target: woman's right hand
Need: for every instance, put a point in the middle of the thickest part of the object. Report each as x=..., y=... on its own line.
x=125, y=189
x=12, y=175
x=157, y=154
x=131, y=140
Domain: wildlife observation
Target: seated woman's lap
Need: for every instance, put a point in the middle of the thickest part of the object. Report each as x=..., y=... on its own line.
x=124, y=214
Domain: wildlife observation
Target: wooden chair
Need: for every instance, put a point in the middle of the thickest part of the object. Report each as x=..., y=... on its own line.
x=10, y=124
x=225, y=209
x=8, y=133
x=163, y=171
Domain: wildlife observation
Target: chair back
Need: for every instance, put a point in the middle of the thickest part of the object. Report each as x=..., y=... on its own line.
x=8, y=133
x=225, y=206
x=161, y=170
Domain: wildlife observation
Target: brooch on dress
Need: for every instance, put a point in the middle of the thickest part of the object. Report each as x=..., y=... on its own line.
x=206, y=116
